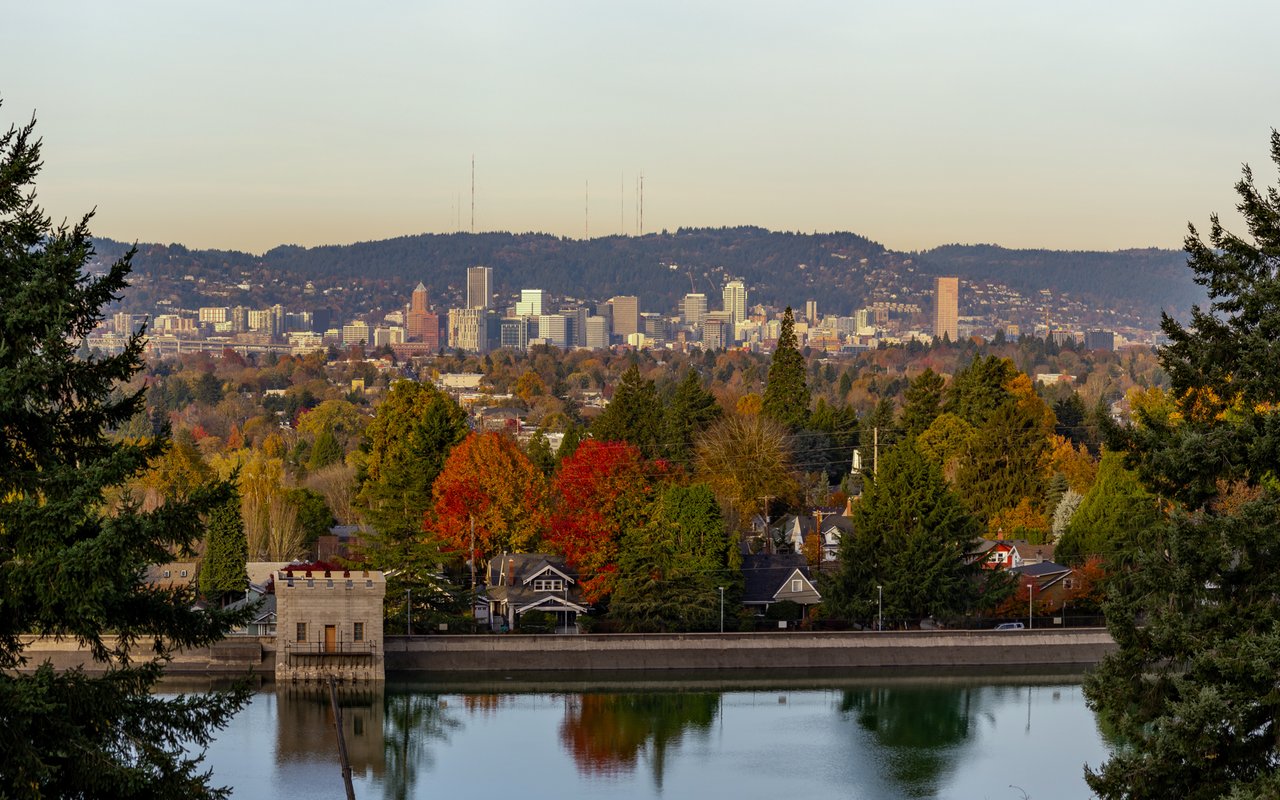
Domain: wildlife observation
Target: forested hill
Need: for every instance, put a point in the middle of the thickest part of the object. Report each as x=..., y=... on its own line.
x=841, y=270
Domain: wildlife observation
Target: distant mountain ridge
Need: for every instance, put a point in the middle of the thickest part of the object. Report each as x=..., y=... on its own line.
x=842, y=270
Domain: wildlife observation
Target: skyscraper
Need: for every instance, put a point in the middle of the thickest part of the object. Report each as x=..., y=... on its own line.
x=530, y=304
x=693, y=309
x=735, y=301
x=479, y=287
x=626, y=315
x=946, y=308
x=420, y=324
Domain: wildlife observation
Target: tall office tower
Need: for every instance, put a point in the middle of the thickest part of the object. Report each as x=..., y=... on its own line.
x=717, y=331
x=468, y=329
x=654, y=328
x=946, y=308
x=811, y=311
x=355, y=332
x=597, y=333
x=479, y=287
x=735, y=301
x=419, y=322
x=554, y=328
x=693, y=308
x=530, y=304
x=626, y=315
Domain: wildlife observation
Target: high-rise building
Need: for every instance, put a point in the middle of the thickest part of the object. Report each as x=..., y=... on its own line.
x=468, y=330
x=355, y=332
x=717, y=331
x=597, y=333
x=693, y=308
x=626, y=315
x=554, y=328
x=420, y=324
x=654, y=328
x=811, y=311
x=735, y=301
x=530, y=304
x=479, y=287
x=1100, y=340
x=946, y=308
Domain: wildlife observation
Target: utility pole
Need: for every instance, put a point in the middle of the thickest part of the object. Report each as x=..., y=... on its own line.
x=875, y=452
x=472, y=559
x=408, y=612
x=721, y=588
x=880, y=608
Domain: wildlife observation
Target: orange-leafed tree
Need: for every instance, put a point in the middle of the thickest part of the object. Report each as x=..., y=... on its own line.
x=488, y=480
x=601, y=491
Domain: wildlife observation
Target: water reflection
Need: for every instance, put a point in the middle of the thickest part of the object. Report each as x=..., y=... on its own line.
x=414, y=724
x=606, y=733
x=305, y=731
x=919, y=729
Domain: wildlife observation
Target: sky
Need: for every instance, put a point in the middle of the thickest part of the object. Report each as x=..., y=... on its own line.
x=246, y=125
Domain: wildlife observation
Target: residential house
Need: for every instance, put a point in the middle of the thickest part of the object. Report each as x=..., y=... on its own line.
x=1009, y=553
x=262, y=598
x=1053, y=583
x=173, y=575
x=772, y=578
x=524, y=582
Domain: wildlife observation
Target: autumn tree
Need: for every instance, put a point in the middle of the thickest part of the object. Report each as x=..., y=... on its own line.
x=745, y=459
x=634, y=414
x=786, y=392
x=489, y=483
x=1192, y=688
x=600, y=492
x=70, y=568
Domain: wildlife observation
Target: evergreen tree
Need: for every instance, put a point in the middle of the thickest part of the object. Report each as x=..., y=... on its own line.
x=1115, y=512
x=539, y=452
x=634, y=415
x=569, y=444
x=910, y=536
x=669, y=571
x=1192, y=689
x=222, y=572
x=786, y=395
x=324, y=451
x=980, y=389
x=691, y=411
x=923, y=403
x=70, y=567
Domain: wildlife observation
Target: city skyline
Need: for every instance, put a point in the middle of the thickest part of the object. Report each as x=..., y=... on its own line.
x=245, y=127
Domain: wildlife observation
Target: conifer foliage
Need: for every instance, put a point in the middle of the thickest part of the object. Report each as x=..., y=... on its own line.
x=1192, y=690
x=69, y=566
x=786, y=392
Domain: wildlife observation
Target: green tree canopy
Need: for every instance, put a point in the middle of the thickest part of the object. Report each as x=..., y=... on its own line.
x=910, y=536
x=634, y=415
x=786, y=394
x=1192, y=689
x=923, y=403
x=226, y=552
x=1112, y=517
x=71, y=567
x=691, y=411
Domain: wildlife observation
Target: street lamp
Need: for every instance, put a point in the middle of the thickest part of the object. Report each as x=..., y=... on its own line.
x=1031, y=617
x=721, y=588
x=880, y=608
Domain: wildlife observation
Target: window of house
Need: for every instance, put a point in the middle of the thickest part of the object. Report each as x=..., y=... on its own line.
x=357, y=633
x=795, y=585
x=548, y=585
x=1068, y=584
x=1000, y=557
x=182, y=574
x=302, y=632
x=166, y=573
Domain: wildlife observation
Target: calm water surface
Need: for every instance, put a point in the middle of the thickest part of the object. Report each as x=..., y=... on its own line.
x=831, y=738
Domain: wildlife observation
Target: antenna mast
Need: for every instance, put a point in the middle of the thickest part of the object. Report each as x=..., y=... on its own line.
x=473, y=192
x=586, y=210
x=642, y=204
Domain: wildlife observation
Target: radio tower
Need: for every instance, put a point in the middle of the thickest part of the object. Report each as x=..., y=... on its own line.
x=586, y=209
x=642, y=204
x=473, y=192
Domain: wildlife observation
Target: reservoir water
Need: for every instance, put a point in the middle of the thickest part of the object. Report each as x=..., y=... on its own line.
x=775, y=737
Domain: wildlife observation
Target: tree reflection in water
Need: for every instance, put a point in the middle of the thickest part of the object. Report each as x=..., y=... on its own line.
x=606, y=733
x=918, y=729
x=413, y=722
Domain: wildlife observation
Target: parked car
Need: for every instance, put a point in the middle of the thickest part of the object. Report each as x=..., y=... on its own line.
x=1010, y=626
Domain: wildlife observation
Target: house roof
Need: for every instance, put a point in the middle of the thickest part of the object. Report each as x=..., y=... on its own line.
x=1040, y=569
x=765, y=575
x=511, y=580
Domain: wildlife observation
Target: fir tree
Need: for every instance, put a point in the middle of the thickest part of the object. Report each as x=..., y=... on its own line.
x=71, y=566
x=1192, y=689
x=226, y=552
x=923, y=403
x=691, y=411
x=786, y=395
x=910, y=536
x=634, y=415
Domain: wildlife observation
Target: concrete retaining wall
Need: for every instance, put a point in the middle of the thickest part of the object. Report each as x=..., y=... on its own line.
x=236, y=655
x=826, y=650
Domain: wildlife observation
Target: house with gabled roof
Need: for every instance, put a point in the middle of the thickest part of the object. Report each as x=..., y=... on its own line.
x=522, y=582
x=772, y=578
x=1053, y=582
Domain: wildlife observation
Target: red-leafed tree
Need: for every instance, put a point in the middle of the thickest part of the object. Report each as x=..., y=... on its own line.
x=600, y=491
x=489, y=480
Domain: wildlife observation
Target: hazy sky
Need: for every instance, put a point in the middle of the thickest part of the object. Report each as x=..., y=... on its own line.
x=250, y=124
